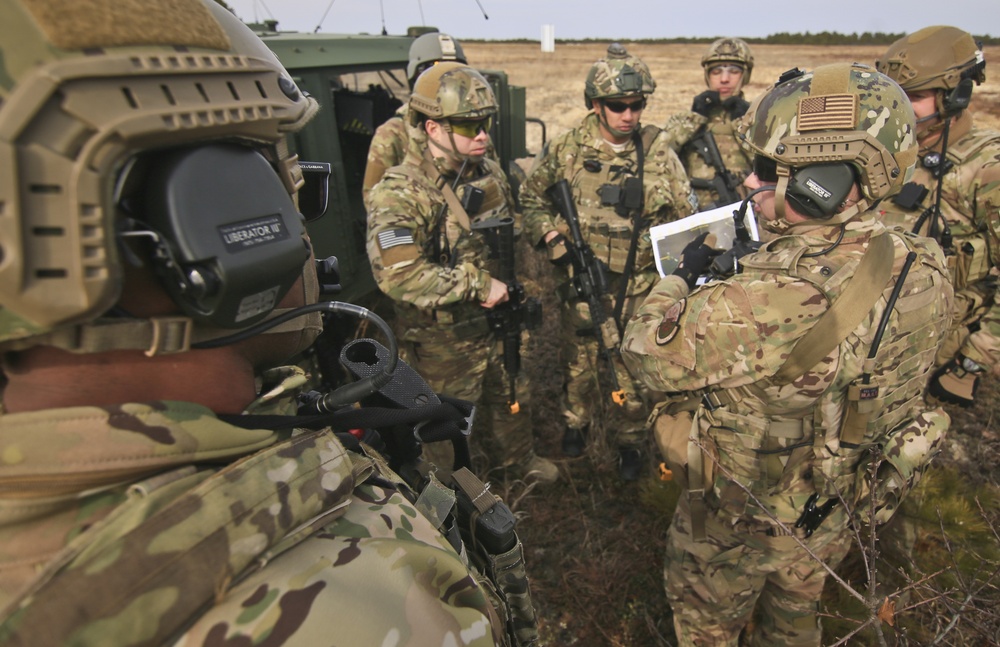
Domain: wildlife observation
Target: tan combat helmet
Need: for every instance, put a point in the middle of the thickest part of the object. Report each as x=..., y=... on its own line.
x=729, y=50
x=845, y=122
x=453, y=91
x=428, y=49
x=83, y=103
x=618, y=74
x=936, y=57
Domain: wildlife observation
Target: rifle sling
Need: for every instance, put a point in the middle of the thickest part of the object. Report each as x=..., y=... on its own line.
x=846, y=312
x=641, y=142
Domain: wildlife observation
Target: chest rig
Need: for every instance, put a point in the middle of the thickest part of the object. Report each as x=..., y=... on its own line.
x=608, y=191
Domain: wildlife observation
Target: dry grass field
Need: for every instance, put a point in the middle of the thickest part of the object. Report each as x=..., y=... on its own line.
x=594, y=545
x=554, y=81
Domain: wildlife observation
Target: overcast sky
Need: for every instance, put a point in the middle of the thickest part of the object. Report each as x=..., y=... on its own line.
x=623, y=19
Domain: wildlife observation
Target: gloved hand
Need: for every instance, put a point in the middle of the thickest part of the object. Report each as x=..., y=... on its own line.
x=695, y=259
x=558, y=252
x=736, y=106
x=704, y=102
x=956, y=382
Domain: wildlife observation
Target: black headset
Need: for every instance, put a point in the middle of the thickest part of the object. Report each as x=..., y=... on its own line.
x=818, y=190
x=221, y=229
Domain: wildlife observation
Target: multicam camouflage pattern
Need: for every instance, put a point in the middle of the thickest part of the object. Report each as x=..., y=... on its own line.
x=970, y=202
x=667, y=197
x=109, y=82
x=439, y=318
x=682, y=126
x=274, y=544
x=388, y=148
x=798, y=121
x=932, y=58
x=618, y=74
x=714, y=586
x=782, y=442
x=729, y=50
x=452, y=90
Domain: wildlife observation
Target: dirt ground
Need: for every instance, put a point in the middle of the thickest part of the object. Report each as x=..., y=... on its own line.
x=594, y=545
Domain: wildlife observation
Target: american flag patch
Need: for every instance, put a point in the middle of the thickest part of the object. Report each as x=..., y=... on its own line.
x=394, y=237
x=831, y=111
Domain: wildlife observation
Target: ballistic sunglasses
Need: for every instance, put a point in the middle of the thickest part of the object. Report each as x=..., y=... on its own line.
x=471, y=127
x=619, y=107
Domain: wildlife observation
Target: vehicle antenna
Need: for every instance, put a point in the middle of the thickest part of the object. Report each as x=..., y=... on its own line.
x=320, y=23
x=420, y=5
x=483, y=10
x=381, y=7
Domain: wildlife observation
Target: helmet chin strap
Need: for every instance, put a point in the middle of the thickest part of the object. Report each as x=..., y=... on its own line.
x=452, y=153
x=602, y=117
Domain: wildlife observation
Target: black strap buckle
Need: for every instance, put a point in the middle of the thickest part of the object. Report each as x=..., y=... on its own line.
x=812, y=516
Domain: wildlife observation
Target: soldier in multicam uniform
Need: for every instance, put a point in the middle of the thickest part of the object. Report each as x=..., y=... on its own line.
x=728, y=64
x=602, y=153
x=391, y=140
x=937, y=67
x=787, y=397
x=129, y=512
x=429, y=261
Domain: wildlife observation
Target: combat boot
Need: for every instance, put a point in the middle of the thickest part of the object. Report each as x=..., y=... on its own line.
x=629, y=463
x=574, y=441
x=540, y=470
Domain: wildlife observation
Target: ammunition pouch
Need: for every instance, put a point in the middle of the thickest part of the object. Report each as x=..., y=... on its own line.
x=907, y=452
x=610, y=244
x=970, y=263
x=488, y=529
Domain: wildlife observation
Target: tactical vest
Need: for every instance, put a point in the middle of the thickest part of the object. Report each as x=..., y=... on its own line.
x=734, y=159
x=599, y=191
x=454, y=240
x=971, y=260
x=779, y=441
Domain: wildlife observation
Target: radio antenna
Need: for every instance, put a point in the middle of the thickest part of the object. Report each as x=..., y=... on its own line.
x=483, y=10
x=320, y=23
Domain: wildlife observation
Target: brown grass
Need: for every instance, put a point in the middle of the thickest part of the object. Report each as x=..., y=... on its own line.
x=554, y=82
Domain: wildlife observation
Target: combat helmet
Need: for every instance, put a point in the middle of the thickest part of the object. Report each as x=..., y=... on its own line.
x=428, y=49
x=96, y=114
x=618, y=74
x=938, y=57
x=820, y=132
x=452, y=91
x=729, y=50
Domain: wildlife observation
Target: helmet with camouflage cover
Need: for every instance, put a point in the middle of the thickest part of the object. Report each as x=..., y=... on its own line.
x=619, y=74
x=431, y=48
x=729, y=50
x=936, y=57
x=452, y=91
x=840, y=115
x=84, y=104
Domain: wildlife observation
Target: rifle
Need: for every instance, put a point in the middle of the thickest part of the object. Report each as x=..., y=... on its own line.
x=518, y=313
x=725, y=183
x=589, y=279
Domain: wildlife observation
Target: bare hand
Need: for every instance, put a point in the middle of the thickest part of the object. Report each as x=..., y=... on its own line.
x=498, y=294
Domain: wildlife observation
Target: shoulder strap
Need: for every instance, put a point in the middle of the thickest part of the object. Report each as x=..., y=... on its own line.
x=845, y=314
x=971, y=144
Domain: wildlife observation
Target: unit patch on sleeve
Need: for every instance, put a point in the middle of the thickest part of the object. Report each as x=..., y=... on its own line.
x=669, y=326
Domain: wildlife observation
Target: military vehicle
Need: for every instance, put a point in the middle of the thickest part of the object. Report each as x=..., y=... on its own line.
x=360, y=81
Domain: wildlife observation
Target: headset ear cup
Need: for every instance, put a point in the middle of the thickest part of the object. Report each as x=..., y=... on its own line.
x=818, y=190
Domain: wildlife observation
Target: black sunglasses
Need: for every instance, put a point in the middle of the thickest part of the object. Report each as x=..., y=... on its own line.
x=765, y=168
x=619, y=107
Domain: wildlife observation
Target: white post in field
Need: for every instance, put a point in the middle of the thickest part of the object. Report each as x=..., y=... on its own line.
x=548, y=38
